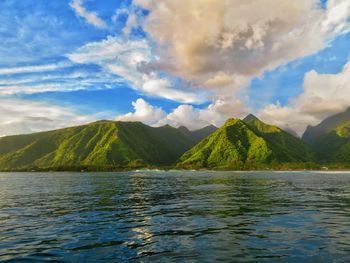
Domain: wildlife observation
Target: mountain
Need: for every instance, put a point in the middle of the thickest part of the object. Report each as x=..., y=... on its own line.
x=328, y=125
x=197, y=135
x=293, y=148
x=246, y=144
x=334, y=147
x=99, y=144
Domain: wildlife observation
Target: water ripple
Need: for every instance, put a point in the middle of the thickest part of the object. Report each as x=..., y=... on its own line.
x=174, y=216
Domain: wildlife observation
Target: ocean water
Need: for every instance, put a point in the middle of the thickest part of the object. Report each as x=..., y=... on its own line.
x=157, y=216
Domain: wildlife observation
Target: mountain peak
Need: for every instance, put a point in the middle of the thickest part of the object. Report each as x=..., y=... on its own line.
x=250, y=117
x=238, y=144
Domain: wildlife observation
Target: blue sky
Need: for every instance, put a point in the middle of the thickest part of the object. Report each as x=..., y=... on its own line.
x=47, y=58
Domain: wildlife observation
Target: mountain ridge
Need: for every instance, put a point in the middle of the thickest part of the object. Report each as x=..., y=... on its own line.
x=238, y=144
x=246, y=143
x=98, y=144
x=326, y=126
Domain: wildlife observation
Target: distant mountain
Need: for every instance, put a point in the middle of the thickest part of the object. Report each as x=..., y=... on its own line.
x=246, y=144
x=334, y=147
x=330, y=124
x=197, y=135
x=99, y=144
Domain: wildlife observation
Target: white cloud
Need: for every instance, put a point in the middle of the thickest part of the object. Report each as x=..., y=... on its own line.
x=19, y=116
x=144, y=112
x=337, y=18
x=323, y=95
x=90, y=17
x=185, y=115
x=57, y=82
x=126, y=60
x=32, y=69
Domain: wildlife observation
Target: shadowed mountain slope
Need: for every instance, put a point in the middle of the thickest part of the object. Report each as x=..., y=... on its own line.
x=326, y=126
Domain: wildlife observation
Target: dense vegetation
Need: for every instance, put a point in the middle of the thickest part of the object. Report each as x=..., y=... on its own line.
x=331, y=140
x=326, y=126
x=247, y=144
x=100, y=146
x=334, y=147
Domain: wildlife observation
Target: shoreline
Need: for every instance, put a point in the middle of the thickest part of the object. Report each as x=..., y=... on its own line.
x=162, y=169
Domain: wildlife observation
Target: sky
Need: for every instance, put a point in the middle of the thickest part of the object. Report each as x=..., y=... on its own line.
x=191, y=63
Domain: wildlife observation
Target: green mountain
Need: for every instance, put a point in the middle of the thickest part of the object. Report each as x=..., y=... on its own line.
x=334, y=147
x=290, y=148
x=246, y=144
x=331, y=139
x=328, y=125
x=99, y=144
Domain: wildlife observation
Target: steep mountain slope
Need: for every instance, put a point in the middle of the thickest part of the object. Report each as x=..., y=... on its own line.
x=197, y=135
x=328, y=125
x=289, y=147
x=104, y=143
x=246, y=144
x=334, y=147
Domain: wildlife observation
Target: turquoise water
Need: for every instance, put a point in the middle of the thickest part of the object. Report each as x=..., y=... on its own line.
x=175, y=217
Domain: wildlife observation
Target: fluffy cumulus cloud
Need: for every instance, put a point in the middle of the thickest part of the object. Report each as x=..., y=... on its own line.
x=144, y=112
x=322, y=96
x=184, y=115
x=91, y=17
x=239, y=38
x=22, y=116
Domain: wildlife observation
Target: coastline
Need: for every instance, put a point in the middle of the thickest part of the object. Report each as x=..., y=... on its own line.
x=93, y=169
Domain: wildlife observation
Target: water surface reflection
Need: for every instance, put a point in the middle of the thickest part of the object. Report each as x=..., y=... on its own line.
x=175, y=216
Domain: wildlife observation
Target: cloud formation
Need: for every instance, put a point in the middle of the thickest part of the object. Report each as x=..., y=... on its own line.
x=91, y=17
x=32, y=69
x=322, y=96
x=144, y=112
x=184, y=115
x=235, y=39
x=29, y=116
x=126, y=60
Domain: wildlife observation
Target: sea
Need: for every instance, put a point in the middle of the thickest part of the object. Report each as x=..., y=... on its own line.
x=175, y=216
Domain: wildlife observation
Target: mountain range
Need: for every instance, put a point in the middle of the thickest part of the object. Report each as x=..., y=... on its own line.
x=238, y=144
x=248, y=143
x=99, y=144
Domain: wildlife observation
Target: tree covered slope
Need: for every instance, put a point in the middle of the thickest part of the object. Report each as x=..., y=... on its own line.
x=331, y=139
x=246, y=144
x=328, y=125
x=288, y=147
x=99, y=144
x=334, y=147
